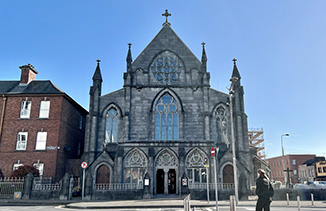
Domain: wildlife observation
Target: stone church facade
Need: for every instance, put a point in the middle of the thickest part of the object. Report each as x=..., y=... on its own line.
x=162, y=123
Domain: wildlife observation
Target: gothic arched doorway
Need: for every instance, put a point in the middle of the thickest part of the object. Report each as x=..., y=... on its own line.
x=103, y=175
x=166, y=165
x=228, y=175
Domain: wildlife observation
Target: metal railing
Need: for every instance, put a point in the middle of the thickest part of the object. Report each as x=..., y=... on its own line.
x=9, y=185
x=203, y=186
x=47, y=187
x=118, y=186
x=45, y=184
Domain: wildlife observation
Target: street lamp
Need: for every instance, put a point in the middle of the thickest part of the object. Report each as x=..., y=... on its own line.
x=231, y=92
x=283, y=160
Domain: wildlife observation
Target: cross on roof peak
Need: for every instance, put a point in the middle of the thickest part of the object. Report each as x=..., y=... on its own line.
x=234, y=60
x=166, y=14
x=203, y=44
x=98, y=61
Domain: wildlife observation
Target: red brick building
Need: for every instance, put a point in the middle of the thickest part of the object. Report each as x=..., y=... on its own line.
x=40, y=125
x=292, y=161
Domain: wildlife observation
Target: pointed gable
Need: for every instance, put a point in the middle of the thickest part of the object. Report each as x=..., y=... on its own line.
x=166, y=40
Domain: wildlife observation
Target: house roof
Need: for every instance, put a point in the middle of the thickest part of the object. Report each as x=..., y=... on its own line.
x=34, y=87
x=314, y=160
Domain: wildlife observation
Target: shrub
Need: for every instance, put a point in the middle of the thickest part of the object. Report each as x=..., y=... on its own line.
x=22, y=171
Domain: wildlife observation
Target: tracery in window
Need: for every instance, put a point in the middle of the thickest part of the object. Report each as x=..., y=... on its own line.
x=135, y=167
x=195, y=164
x=221, y=126
x=166, y=118
x=166, y=67
x=111, y=126
x=166, y=158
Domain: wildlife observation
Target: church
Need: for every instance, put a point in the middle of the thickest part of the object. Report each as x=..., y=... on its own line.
x=162, y=124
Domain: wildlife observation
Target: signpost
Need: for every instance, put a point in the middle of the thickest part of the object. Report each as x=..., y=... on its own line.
x=84, y=166
x=207, y=180
x=216, y=190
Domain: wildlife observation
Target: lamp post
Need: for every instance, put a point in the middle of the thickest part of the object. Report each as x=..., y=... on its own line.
x=231, y=92
x=283, y=160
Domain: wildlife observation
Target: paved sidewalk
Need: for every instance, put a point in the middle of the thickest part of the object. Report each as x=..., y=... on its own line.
x=149, y=203
x=168, y=203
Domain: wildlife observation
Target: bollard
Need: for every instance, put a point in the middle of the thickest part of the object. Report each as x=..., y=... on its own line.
x=312, y=200
x=232, y=203
x=299, y=204
x=287, y=199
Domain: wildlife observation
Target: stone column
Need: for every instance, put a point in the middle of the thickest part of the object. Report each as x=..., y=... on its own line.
x=65, y=182
x=184, y=185
x=88, y=186
x=28, y=185
x=147, y=187
x=166, y=183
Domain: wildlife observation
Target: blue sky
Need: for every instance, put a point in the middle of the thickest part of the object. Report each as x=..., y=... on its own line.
x=280, y=47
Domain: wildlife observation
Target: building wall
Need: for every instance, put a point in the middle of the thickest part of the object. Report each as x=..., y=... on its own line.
x=292, y=162
x=12, y=124
x=321, y=170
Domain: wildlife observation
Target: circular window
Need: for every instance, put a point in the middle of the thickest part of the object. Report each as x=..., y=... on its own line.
x=166, y=67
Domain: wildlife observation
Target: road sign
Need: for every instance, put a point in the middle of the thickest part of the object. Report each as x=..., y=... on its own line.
x=84, y=165
x=213, y=151
x=206, y=166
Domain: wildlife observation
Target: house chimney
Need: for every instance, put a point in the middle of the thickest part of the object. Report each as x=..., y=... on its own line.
x=28, y=74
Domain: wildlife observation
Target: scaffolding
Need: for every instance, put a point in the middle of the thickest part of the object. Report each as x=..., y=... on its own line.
x=256, y=139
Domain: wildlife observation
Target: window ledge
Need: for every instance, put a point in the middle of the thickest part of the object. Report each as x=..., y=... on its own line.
x=41, y=118
x=40, y=150
x=20, y=150
x=24, y=118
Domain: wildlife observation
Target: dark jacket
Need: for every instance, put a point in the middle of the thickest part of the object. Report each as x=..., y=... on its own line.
x=262, y=186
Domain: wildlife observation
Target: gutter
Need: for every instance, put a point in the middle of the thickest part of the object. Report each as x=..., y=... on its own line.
x=2, y=114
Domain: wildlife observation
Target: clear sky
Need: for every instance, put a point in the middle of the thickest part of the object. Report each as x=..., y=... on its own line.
x=280, y=47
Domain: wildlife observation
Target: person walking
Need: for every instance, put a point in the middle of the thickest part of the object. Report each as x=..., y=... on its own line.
x=264, y=190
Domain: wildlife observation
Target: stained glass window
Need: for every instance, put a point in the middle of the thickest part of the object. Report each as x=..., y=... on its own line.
x=111, y=126
x=135, y=166
x=166, y=119
x=195, y=163
x=166, y=67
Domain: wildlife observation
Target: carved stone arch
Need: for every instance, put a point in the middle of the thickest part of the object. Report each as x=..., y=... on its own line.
x=195, y=158
x=135, y=166
x=166, y=158
x=103, y=173
x=104, y=118
x=226, y=167
x=221, y=124
x=166, y=67
x=135, y=158
x=170, y=92
x=109, y=106
x=217, y=106
x=167, y=50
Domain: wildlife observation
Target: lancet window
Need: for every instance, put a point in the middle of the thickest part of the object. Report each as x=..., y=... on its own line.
x=111, y=126
x=166, y=118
